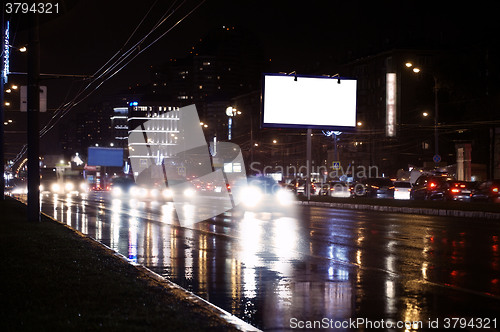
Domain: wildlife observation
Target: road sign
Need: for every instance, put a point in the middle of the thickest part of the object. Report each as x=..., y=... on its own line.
x=436, y=158
x=181, y=170
x=336, y=165
x=24, y=99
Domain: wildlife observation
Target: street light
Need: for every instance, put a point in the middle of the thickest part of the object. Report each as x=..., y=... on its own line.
x=230, y=112
x=436, y=158
x=251, y=135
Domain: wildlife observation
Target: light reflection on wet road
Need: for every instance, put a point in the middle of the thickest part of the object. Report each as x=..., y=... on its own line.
x=310, y=263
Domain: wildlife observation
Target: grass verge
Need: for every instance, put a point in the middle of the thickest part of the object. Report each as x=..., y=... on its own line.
x=52, y=279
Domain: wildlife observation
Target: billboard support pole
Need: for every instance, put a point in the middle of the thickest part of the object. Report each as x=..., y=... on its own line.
x=308, y=161
x=33, y=129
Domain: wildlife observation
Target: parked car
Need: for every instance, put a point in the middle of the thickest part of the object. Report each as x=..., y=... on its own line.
x=335, y=189
x=402, y=190
x=426, y=187
x=374, y=187
x=487, y=191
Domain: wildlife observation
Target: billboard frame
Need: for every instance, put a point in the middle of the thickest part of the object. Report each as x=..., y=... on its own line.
x=305, y=125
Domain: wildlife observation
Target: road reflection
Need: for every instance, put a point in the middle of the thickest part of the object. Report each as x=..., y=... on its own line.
x=273, y=268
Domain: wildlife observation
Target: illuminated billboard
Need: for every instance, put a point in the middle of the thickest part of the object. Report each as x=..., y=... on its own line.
x=316, y=102
x=105, y=156
x=390, y=124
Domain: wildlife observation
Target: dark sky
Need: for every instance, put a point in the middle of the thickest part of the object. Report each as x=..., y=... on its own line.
x=295, y=35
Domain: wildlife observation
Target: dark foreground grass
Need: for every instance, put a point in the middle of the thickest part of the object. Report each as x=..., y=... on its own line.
x=52, y=279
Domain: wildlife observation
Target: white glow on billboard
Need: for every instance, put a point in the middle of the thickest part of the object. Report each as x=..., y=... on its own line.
x=308, y=102
x=391, y=105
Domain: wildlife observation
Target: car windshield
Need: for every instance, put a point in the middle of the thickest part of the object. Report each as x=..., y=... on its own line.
x=264, y=183
x=383, y=182
x=402, y=184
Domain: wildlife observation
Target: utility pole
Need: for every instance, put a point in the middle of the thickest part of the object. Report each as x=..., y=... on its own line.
x=33, y=127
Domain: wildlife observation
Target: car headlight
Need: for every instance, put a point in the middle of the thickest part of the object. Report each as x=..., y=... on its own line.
x=134, y=191
x=189, y=192
x=284, y=197
x=69, y=186
x=155, y=193
x=84, y=186
x=55, y=187
x=117, y=191
x=167, y=193
x=251, y=196
x=41, y=187
x=143, y=192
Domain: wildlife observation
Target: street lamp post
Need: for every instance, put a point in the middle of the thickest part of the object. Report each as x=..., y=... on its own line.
x=436, y=158
x=230, y=112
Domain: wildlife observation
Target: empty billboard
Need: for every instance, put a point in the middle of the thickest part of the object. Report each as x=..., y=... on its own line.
x=316, y=102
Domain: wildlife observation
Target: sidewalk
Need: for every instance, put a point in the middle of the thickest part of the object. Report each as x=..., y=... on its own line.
x=53, y=278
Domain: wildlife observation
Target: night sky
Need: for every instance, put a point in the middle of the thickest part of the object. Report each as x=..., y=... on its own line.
x=296, y=36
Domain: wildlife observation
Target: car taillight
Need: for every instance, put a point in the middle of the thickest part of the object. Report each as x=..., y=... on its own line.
x=495, y=190
x=454, y=190
x=432, y=185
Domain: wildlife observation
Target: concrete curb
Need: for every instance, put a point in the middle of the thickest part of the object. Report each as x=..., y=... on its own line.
x=184, y=293
x=408, y=210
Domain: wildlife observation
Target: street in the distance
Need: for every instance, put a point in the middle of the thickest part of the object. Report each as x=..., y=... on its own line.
x=288, y=270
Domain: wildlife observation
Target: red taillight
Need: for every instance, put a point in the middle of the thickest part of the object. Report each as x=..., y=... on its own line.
x=432, y=185
x=495, y=190
x=454, y=190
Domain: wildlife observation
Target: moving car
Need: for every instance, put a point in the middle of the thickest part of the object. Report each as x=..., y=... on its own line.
x=299, y=187
x=374, y=187
x=487, y=191
x=262, y=193
x=454, y=191
x=402, y=190
x=335, y=189
x=127, y=188
x=68, y=182
x=427, y=187
x=122, y=187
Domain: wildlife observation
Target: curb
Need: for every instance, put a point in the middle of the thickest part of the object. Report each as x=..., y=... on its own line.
x=407, y=210
x=184, y=293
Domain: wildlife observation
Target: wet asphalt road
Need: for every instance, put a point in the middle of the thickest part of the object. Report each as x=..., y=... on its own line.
x=310, y=268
